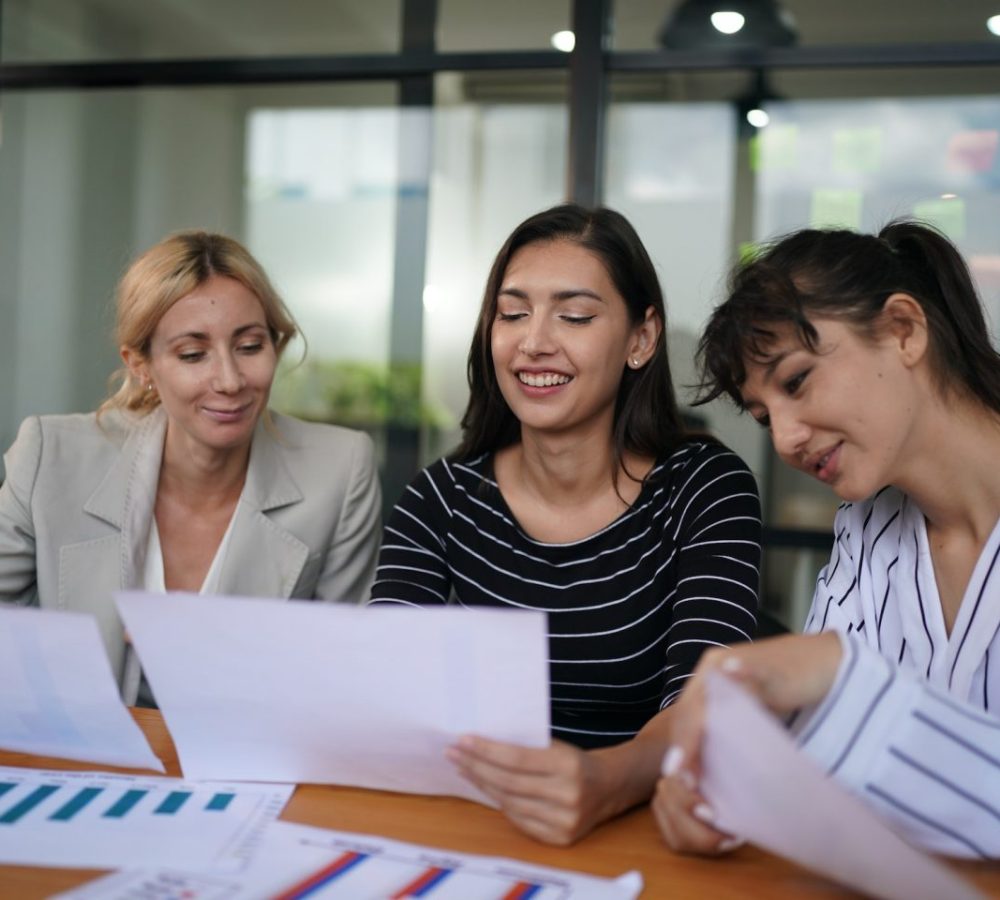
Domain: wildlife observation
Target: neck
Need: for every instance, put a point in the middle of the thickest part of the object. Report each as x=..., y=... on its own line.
x=201, y=475
x=951, y=470
x=562, y=469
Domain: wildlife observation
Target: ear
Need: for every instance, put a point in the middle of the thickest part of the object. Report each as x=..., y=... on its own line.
x=644, y=338
x=904, y=323
x=135, y=362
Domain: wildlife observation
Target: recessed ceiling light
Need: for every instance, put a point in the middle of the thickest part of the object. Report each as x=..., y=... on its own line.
x=564, y=40
x=949, y=196
x=758, y=118
x=993, y=25
x=727, y=22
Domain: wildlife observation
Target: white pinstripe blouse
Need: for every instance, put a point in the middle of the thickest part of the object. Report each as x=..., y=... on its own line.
x=913, y=721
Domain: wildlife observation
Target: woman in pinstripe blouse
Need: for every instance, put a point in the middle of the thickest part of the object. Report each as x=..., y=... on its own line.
x=870, y=362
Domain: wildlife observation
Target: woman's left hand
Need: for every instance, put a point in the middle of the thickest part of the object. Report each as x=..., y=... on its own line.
x=555, y=794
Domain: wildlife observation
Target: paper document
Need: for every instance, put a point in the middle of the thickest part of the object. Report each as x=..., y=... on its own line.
x=282, y=690
x=763, y=788
x=297, y=861
x=57, y=694
x=97, y=820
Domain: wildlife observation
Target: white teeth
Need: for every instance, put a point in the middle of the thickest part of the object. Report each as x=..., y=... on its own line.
x=545, y=379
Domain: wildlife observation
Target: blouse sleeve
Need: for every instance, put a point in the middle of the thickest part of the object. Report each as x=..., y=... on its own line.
x=17, y=527
x=716, y=527
x=412, y=565
x=926, y=762
x=350, y=562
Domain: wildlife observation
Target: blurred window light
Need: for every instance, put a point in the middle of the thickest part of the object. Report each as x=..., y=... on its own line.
x=564, y=40
x=727, y=22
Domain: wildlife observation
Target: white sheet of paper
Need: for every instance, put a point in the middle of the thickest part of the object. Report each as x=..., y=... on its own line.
x=283, y=690
x=370, y=867
x=57, y=694
x=103, y=820
x=764, y=789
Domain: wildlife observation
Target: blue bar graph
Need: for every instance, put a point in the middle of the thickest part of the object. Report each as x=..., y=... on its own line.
x=220, y=801
x=173, y=802
x=68, y=810
x=25, y=806
x=124, y=804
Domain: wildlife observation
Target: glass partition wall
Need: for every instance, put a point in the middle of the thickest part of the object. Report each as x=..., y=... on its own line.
x=375, y=154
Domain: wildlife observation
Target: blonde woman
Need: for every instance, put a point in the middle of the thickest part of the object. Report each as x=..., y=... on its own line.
x=183, y=480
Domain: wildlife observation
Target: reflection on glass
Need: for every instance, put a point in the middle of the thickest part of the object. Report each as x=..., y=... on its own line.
x=670, y=171
x=493, y=165
x=859, y=164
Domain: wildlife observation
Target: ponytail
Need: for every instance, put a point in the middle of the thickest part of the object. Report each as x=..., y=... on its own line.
x=943, y=285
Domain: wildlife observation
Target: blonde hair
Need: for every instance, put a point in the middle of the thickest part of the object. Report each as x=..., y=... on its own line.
x=164, y=274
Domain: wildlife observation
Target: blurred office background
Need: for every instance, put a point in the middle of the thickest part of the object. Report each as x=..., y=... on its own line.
x=374, y=154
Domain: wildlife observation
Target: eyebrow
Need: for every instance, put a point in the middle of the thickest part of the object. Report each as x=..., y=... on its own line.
x=772, y=364
x=558, y=295
x=202, y=336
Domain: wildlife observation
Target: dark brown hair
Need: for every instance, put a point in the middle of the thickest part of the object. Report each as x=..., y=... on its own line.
x=646, y=419
x=848, y=276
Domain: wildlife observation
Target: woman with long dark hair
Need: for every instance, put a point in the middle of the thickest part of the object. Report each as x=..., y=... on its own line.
x=869, y=360
x=577, y=491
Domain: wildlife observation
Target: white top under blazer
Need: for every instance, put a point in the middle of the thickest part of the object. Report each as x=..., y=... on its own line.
x=913, y=720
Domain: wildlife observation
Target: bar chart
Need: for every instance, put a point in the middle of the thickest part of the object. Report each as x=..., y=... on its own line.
x=96, y=819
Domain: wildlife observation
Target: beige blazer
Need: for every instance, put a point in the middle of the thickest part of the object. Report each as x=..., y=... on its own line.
x=78, y=499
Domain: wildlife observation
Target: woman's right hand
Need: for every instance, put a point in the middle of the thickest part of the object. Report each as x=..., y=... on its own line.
x=785, y=673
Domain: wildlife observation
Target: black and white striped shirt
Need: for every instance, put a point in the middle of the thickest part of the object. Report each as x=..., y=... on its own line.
x=915, y=725
x=630, y=608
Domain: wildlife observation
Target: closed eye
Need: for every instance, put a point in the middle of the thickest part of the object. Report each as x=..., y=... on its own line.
x=510, y=317
x=578, y=320
x=792, y=385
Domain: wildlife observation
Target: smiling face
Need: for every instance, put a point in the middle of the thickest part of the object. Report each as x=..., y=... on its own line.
x=562, y=337
x=211, y=360
x=844, y=413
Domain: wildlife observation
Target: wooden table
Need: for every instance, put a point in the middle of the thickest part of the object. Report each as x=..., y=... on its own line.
x=630, y=842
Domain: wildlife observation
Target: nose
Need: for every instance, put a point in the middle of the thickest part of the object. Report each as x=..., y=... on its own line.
x=228, y=376
x=790, y=436
x=536, y=338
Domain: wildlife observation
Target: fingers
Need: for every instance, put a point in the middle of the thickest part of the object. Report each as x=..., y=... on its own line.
x=685, y=819
x=541, y=791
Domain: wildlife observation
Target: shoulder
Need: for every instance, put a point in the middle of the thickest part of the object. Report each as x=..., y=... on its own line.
x=696, y=464
x=449, y=482
x=76, y=434
x=869, y=517
x=297, y=435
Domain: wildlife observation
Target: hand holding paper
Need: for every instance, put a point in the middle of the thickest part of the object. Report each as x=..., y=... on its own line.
x=308, y=692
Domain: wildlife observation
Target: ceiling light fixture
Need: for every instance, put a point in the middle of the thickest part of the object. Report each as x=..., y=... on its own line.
x=708, y=24
x=993, y=25
x=727, y=21
x=564, y=41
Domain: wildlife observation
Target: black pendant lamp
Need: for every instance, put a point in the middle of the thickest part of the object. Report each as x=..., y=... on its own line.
x=717, y=24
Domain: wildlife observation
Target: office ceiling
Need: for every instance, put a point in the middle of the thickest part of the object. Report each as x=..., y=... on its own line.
x=189, y=28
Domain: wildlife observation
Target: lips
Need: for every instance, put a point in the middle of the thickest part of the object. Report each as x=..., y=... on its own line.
x=824, y=464
x=226, y=415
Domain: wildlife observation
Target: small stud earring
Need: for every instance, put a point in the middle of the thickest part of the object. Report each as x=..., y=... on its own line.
x=635, y=362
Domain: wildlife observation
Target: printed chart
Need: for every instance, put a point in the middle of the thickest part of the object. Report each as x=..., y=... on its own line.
x=87, y=819
x=299, y=861
x=370, y=868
